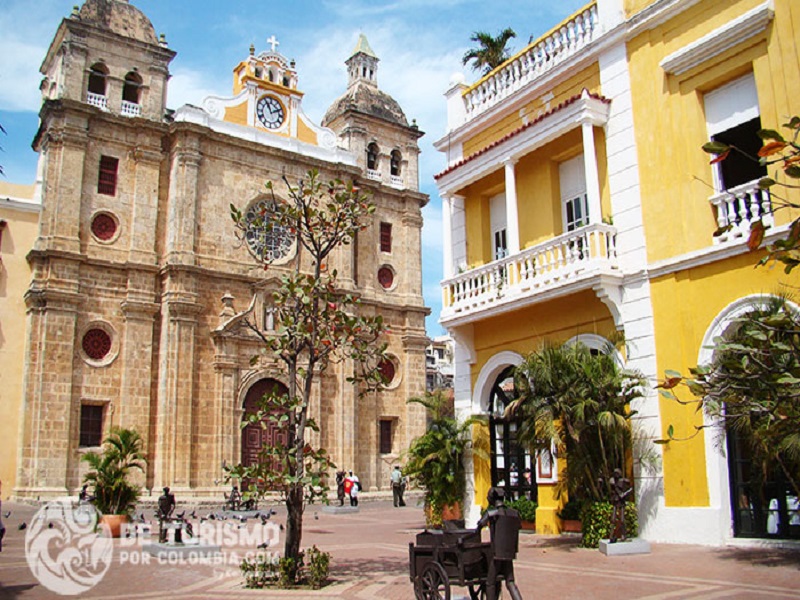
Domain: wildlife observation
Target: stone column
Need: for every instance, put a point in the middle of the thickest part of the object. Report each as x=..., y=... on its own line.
x=46, y=444
x=447, y=236
x=512, y=218
x=182, y=204
x=590, y=170
x=144, y=214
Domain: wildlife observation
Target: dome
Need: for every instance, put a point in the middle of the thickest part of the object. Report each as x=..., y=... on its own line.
x=120, y=17
x=369, y=100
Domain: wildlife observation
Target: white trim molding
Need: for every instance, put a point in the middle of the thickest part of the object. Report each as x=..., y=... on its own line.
x=721, y=39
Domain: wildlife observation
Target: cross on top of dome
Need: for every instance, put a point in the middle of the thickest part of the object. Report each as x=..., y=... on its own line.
x=273, y=42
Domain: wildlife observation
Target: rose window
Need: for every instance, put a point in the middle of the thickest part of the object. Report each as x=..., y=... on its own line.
x=96, y=344
x=267, y=240
x=104, y=226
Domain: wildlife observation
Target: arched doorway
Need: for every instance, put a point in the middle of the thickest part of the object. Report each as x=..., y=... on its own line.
x=254, y=436
x=512, y=468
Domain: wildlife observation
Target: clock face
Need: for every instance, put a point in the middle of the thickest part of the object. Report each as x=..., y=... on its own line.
x=270, y=112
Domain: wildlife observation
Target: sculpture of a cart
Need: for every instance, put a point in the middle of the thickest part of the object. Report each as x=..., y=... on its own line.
x=442, y=558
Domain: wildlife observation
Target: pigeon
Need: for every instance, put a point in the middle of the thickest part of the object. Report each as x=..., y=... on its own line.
x=8, y=514
x=193, y=514
x=212, y=517
x=316, y=516
x=243, y=519
x=264, y=519
x=22, y=526
x=264, y=545
x=281, y=526
x=49, y=525
x=203, y=519
x=141, y=518
x=180, y=515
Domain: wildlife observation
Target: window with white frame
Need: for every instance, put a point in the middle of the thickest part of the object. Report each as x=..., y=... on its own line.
x=497, y=216
x=732, y=117
x=574, y=199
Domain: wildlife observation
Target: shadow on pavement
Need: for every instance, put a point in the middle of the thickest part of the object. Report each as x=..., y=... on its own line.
x=15, y=591
x=357, y=567
x=764, y=557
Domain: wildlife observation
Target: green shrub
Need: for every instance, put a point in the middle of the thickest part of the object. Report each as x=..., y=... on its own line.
x=288, y=571
x=596, y=522
x=525, y=507
x=571, y=511
x=258, y=572
x=318, y=567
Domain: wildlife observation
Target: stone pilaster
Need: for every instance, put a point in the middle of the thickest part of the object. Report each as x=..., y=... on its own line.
x=144, y=214
x=182, y=203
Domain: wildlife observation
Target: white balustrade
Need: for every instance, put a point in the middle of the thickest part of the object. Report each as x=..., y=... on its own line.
x=542, y=56
x=373, y=174
x=130, y=109
x=98, y=100
x=559, y=261
x=738, y=208
x=396, y=181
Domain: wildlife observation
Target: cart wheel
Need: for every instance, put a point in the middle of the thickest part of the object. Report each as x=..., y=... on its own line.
x=434, y=582
x=477, y=591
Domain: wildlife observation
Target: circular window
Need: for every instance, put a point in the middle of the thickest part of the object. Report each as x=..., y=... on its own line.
x=386, y=277
x=96, y=344
x=104, y=227
x=267, y=240
x=388, y=371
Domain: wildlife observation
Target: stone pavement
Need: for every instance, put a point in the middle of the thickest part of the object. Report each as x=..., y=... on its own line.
x=370, y=560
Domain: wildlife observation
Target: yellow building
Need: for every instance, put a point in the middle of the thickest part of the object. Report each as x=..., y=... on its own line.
x=577, y=203
x=19, y=224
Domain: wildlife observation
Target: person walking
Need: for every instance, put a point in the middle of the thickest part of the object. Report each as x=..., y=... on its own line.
x=2, y=527
x=356, y=487
x=398, y=486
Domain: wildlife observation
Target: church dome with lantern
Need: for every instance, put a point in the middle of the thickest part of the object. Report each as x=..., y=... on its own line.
x=363, y=94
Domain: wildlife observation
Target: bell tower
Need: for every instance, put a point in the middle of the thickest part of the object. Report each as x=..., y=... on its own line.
x=362, y=66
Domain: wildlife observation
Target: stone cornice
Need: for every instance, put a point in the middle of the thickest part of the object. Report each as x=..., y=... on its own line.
x=739, y=30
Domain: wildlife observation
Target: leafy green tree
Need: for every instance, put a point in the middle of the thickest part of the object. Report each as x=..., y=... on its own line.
x=109, y=471
x=785, y=154
x=318, y=325
x=752, y=387
x=578, y=402
x=435, y=460
x=492, y=51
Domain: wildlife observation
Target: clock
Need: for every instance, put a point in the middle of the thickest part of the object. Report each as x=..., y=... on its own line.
x=270, y=112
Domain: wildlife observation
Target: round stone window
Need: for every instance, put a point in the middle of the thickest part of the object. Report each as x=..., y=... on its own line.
x=266, y=239
x=96, y=344
x=388, y=371
x=104, y=227
x=386, y=277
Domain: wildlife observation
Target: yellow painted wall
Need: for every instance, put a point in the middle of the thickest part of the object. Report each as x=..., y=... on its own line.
x=588, y=78
x=676, y=179
x=538, y=195
x=15, y=275
x=684, y=306
x=237, y=114
x=305, y=133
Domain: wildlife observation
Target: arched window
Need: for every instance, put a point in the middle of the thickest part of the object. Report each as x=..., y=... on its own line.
x=512, y=467
x=372, y=156
x=395, y=163
x=131, y=89
x=97, y=79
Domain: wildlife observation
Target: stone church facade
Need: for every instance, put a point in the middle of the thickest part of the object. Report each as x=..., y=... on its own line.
x=139, y=282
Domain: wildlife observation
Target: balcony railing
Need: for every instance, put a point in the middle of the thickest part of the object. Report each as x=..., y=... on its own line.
x=396, y=181
x=551, y=50
x=130, y=109
x=562, y=260
x=98, y=100
x=373, y=174
x=738, y=208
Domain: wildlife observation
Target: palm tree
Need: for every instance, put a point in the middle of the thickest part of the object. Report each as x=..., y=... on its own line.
x=492, y=51
x=578, y=402
x=435, y=460
x=122, y=454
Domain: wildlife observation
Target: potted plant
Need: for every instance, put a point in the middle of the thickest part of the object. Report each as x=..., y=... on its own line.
x=435, y=460
x=114, y=495
x=570, y=515
x=527, y=512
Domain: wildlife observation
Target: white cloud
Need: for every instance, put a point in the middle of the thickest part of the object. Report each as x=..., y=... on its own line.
x=187, y=86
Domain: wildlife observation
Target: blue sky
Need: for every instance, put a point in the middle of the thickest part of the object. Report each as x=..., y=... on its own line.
x=420, y=44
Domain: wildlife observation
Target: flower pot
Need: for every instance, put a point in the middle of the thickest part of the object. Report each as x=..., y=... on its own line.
x=451, y=512
x=571, y=526
x=113, y=523
x=529, y=525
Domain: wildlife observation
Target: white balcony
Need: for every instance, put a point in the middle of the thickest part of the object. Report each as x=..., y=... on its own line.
x=396, y=181
x=738, y=208
x=130, y=109
x=373, y=174
x=551, y=50
x=582, y=259
x=98, y=100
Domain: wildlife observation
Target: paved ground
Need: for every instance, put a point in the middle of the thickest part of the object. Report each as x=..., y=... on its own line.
x=370, y=560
